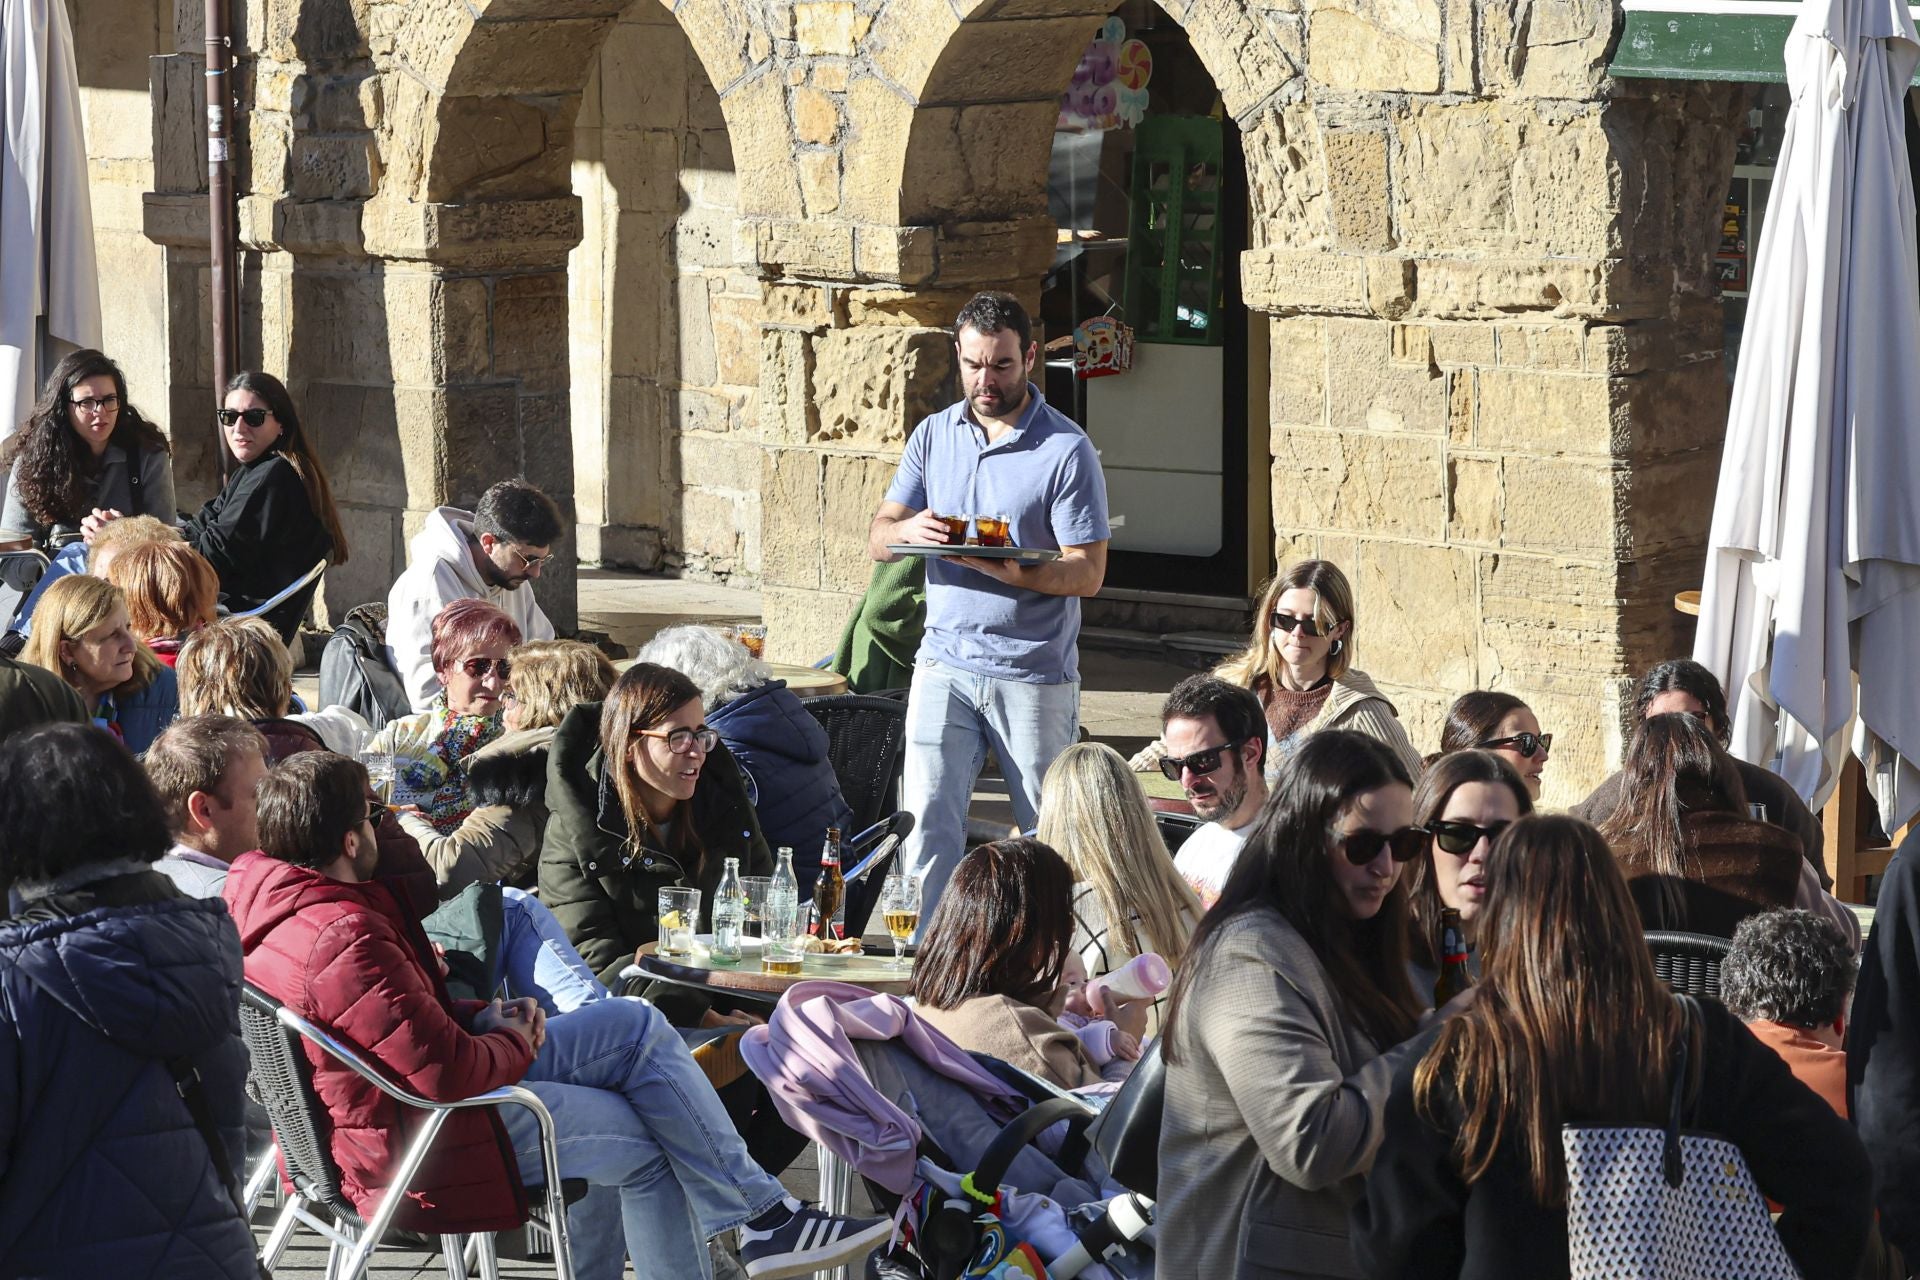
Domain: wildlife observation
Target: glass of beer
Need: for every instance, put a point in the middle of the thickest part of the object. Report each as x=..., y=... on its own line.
x=993, y=531
x=780, y=955
x=956, y=528
x=752, y=635
x=679, y=920
x=379, y=767
x=900, y=907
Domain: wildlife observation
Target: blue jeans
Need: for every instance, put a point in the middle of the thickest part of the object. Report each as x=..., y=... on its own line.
x=953, y=716
x=636, y=1118
x=537, y=960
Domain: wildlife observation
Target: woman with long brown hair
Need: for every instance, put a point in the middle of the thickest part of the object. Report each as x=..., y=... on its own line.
x=1570, y=1025
x=1299, y=663
x=991, y=963
x=1464, y=801
x=1284, y=1020
x=641, y=795
x=1489, y=720
x=1693, y=858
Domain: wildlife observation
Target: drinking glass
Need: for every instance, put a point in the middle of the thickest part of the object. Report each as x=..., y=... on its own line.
x=679, y=919
x=900, y=907
x=780, y=955
x=994, y=530
x=754, y=637
x=379, y=767
x=956, y=528
x=756, y=888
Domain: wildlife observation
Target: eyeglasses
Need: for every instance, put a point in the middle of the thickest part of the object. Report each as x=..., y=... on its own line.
x=1527, y=744
x=1364, y=845
x=1306, y=626
x=377, y=814
x=531, y=562
x=252, y=417
x=477, y=668
x=1201, y=763
x=509, y=697
x=89, y=405
x=681, y=741
x=1459, y=838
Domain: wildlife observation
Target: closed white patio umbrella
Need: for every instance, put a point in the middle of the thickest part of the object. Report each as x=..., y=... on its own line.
x=1813, y=569
x=49, y=283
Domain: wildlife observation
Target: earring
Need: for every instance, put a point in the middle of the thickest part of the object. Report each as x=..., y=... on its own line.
x=1338, y=645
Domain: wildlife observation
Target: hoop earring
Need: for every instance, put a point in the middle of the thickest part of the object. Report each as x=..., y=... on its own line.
x=1338, y=645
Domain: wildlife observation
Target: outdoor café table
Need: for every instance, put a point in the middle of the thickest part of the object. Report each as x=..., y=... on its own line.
x=15, y=540
x=872, y=970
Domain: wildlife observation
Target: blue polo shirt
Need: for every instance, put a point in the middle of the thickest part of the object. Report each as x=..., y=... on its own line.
x=1043, y=475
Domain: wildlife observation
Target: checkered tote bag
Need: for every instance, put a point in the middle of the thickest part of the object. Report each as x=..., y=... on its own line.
x=1646, y=1202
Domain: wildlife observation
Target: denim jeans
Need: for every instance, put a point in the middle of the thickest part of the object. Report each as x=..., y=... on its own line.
x=635, y=1117
x=953, y=716
x=537, y=960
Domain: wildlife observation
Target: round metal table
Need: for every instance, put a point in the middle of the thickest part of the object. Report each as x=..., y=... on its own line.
x=874, y=971
x=15, y=540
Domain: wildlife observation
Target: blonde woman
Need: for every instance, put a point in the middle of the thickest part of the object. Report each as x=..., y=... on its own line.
x=241, y=667
x=1300, y=666
x=1127, y=897
x=81, y=634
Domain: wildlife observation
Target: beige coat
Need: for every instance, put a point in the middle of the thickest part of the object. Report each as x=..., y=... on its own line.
x=1016, y=1033
x=494, y=842
x=1273, y=1113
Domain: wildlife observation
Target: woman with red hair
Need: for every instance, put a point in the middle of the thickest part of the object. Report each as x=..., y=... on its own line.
x=470, y=643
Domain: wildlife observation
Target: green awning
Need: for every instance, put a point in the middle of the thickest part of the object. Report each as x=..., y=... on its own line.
x=1706, y=40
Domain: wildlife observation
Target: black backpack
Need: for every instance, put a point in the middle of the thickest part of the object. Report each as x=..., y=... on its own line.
x=354, y=671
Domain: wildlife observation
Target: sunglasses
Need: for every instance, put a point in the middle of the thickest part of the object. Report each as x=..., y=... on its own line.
x=1528, y=745
x=1459, y=838
x=1364, y=845
x=89, y=405
x=252, y=417
x=1200, y=762
x=377, y=814
x=681, y=741
x=531, y=562
x=1305, y=626
x=477, y=668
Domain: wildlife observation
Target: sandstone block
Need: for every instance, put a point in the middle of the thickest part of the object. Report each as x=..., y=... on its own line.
x=1394, y=46
x=1462, y=344
x=546, y=446
x=793, y=518
x=1543, y=615
x=1297, y=349
x=818, y=250
x=979, y=163
x=899, y=255
x=709, y=532
x=1357, y=183
x=1598, y=288
x=915, y=308
x=830, y=76
x=1287, y=181
x=1009, y=255
x=879, y=123
x=1556, y=51
x=1419, y=629
x=854, y=486
x=1366, y=390
x=1393, y=485
x=1473, y=500
x=1462, y=405
x=736, y=339
x=802, y=306
x=819, y=182
x=870, y=386
x=1562, y=505
x=802, y=625
x=816, y=118
x=833, y=27
x=1551, y=412
x=1667, y=506
x=530, y=330
x=1559, y=347
x=787, y=411
x=710, y=461
x=1007, y=60
x=765, y=181
x=482, y=429
x=639, y=425
x=644, y=76
x=377, y=559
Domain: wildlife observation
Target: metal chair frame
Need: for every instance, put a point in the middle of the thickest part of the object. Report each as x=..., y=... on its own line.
x=307, y=581
x=20, y=573
x=349, y=1253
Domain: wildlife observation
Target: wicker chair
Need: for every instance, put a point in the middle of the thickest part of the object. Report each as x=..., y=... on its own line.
x=865, y=741
x=279, y=1076
x=1688, y=962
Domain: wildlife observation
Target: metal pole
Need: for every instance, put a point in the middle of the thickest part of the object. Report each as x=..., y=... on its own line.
x=220, y=206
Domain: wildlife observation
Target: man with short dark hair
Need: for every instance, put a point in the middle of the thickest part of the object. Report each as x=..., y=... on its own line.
x=1788, y=976
x=999, y=665
x=206, y=770
x=491, y=553
x=331, y=931
x=1216, y=739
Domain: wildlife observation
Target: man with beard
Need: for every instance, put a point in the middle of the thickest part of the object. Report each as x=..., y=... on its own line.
x=1216, y=738
x=491, y=553
x=999, y=665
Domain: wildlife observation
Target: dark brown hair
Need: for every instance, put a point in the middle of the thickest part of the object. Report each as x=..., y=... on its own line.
x=194, y=754
x=1002, y=927
x=1444, y=775
x=641, y=698
x=1285, y=866
x=308, y=803
x=1475, y=717
x=292, y=445
x=1569, y=1021
x=52, y=466
x=1675, y=766
x=72, y=795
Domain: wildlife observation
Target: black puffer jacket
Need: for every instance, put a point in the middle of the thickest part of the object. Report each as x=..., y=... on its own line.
x=602, y=885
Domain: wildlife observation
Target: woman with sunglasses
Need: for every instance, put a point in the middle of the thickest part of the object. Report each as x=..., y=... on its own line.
x=1300, y=666
x=1284, y=1021
x=430, y=749
x=274, y=518
x=1464, y=801
x=642, y=795
x=84, y=456
x=1502, y=724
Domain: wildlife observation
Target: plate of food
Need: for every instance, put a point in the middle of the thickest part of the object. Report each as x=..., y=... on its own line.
x=831, y=948
x=948, y=550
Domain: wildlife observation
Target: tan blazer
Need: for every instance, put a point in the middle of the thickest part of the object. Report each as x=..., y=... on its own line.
x=1016, y=1033
x=1273, y=1112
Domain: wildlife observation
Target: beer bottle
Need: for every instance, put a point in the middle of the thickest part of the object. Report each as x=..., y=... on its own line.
x=830, y=890
x=1455, y=976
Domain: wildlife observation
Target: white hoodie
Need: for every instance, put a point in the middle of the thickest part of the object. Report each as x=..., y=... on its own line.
x=440, y=570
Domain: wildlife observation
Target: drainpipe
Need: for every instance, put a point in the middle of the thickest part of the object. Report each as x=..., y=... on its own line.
x=220, y=209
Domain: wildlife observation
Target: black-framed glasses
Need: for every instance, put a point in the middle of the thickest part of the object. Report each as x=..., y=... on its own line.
x=89, y=405
x=254, y=417
x=477, y=668
x=531, y=562
x=1306, y=626
x=1459, y=838
x=377, y=813
x=682, y=741
x=1364, y=845
x=1202, y=762
x=1528, y=745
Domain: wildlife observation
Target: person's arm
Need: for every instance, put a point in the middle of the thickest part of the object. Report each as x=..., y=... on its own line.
x=1411, y=1222
x=492, y=842
x=903, y=517
x=242, y=529
x=1079, y=571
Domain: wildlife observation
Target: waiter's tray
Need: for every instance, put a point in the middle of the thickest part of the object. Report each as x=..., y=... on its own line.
x=945, y=550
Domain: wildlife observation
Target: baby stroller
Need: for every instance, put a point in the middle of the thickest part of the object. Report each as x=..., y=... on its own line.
x=988, y=1171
